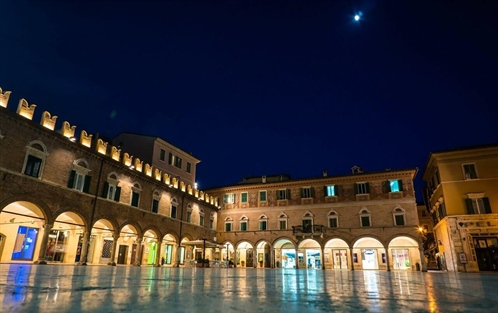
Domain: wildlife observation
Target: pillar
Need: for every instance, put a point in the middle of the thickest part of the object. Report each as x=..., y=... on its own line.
x=297, y=260
x=352, y=258
x=387, y=260
x=113, y=251
x=323, y=258
x=43, y=246
x=158, y=254
x=138, y=255
x=272, y=258
x=84, y=248
x=422, y=260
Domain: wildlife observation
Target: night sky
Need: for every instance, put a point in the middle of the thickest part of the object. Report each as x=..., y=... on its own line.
x=263, y=87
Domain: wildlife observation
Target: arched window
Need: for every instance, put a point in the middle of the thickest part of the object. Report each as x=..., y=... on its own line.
x=174, y=208
x=136, y=189
x=333, y=219
x=111, y=189
x=244, y=223
x=79, y=178
x=201, y=217
x=189, y=213
x=399, y=217
x=228, y=224
x=282, y=221
x=263, y=222
x=156, y=196
x=365, y=218
x=211, y=220
x=36, y=153
x=308, y=222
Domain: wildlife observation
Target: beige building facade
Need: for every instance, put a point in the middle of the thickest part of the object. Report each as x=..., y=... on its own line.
x=68, y=197
x=354, y=222
x=462, y=198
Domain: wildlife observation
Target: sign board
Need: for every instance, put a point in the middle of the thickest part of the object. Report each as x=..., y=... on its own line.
x=463, y=258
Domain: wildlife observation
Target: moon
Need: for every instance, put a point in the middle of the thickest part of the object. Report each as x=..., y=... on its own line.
x=357, y=17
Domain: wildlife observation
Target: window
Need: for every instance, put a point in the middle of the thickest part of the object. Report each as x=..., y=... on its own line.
x=211, y=221
x=135, y=195
x=35, y=159
x=396, y=185
x=78, y=178
x=175, y=161
x=333, y=220
x=229, y=198
x=307, y=192
x=362, y=188
x=111, y=189
x=469, y=171
x=243, y=197
x=283, y=194
x=365, y=218
x=162, y=155
x=330, y=191
x=189, y=167
x=189, y=216
x=478, y=205
x=399, y=217
x=263, y=222
x=173, y=210
x=262, y=196
x=155, y=201
x=282, y=221
x=441, y=211
x=228, y=224
x=243, y=223
x=201, y=217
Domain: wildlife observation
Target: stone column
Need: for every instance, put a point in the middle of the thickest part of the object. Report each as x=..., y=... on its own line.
x=158, y=255
x=138, y=255
x=352, y=258
x=84, y=248
x=297, y=260
x=43, y=246
x=422, y=260
x=113, y=251
x=272, y=258
x=387, y=260
x=323, y=258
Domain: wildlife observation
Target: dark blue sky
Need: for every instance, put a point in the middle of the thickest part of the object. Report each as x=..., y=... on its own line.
x=263, y=87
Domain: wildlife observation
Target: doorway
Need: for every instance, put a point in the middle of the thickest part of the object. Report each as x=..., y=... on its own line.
x=122, y=254
x=369, y=259
x=340, y=259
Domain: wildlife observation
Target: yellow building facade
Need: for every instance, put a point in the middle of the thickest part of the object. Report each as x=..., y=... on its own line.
x=462, y=198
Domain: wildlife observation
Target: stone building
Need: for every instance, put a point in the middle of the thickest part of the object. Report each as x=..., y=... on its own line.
x=73, y=198
x=461, y=195
x=354, y=222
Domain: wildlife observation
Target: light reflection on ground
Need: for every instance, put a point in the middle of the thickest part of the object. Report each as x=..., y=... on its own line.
x=62, y=288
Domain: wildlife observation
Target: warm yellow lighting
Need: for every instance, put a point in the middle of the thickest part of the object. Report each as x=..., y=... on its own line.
x=26, y=110
x=157, y=174
x=127, y=159
x=138, y=164
x=101, y=146
x=85, y=139
x=4, y=98
x=115, y=153
x=48, y=121
x=148, y=170
x=68, y=130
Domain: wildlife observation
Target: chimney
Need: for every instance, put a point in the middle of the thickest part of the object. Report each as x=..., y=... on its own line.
x=263, y=179
x=324, y=173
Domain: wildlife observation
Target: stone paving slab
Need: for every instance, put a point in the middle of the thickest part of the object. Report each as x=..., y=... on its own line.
x=53, y=288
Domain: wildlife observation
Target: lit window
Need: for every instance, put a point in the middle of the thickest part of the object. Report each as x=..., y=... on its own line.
x=396, y=185
x=331, y=191
x=229, y=198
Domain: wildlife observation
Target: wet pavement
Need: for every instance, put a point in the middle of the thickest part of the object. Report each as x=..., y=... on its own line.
x=67, y=288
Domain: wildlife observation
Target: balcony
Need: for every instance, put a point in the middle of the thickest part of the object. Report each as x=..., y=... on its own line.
x=308, y=230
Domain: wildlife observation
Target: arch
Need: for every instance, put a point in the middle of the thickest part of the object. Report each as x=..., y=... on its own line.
x=113, y=176
x=31, y=203
x=137, y=186
x=81, y=163
x=336, y=243
x=370, y=241
x=132, y=226
x=38, y=145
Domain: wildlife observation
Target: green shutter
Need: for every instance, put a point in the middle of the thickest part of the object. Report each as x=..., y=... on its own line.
x=368, y=187
x=355, y=188
x=325, y=191
x=336, y=190
x=312, y=192
x=302, y=192
x=70, y=182
x=386, y=186
x=86, y=185
x=469, y=206
x=288, y=194
x=106, y=190
x=400, y=184
x=117, y=194
x=487, y=206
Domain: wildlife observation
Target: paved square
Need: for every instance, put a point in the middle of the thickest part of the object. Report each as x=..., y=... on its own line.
x=64, y=288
